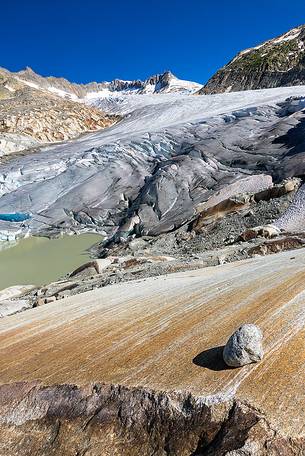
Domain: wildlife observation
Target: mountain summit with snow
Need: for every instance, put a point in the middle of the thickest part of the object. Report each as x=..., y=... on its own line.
x=35, y=110
x=165, y=82
x=278, y=62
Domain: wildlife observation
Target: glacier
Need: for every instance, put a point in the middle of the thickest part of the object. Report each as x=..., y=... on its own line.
x=150, y=172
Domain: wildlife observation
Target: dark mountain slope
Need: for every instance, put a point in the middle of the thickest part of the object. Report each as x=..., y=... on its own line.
x=275, y=63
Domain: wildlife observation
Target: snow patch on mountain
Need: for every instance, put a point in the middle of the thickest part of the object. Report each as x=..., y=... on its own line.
x=109, y=95
x=163, y=83
x=63, y=93
x=134, y=95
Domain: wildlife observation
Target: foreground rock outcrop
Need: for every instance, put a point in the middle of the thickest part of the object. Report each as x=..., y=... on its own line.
x=109, y=420
x=137, y=369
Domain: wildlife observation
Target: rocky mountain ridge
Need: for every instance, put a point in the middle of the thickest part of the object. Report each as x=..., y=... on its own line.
x=35, y=110
x=160, y=83
x=275, y=63
x=31, y=116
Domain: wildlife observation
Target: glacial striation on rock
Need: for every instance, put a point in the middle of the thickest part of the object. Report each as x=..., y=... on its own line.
x=137, y=368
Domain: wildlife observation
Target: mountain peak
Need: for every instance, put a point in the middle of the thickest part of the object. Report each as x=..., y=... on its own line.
x=28, y=70
x=168, y=74
x=277, y=62
x=165, y=82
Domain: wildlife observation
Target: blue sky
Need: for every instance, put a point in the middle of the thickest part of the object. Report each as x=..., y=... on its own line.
x=102, y=40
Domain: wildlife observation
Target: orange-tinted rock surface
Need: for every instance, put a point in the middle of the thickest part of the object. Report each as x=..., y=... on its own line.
x=136, y=368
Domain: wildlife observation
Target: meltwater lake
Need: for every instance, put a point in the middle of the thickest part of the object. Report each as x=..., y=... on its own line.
x=39, y=260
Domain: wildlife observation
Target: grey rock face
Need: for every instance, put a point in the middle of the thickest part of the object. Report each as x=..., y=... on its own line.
x=244, y=346
x=147, y=422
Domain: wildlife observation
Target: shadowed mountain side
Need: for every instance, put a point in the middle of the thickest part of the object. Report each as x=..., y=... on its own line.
x=279, y=62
